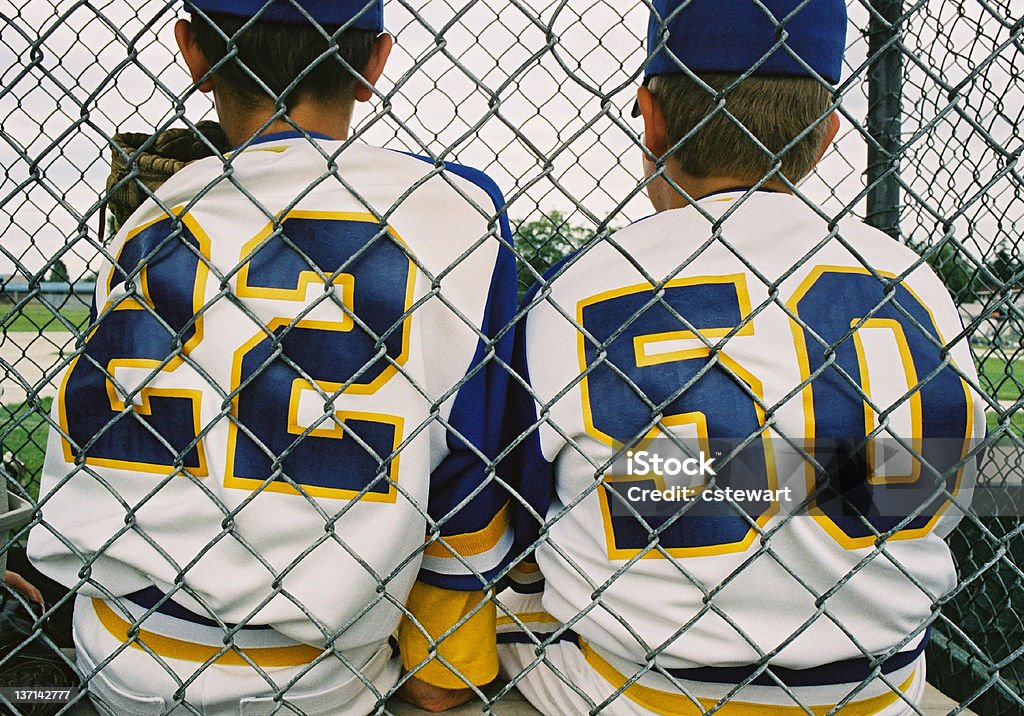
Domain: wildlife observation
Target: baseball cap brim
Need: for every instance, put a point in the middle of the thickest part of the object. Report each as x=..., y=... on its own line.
x=356, y=14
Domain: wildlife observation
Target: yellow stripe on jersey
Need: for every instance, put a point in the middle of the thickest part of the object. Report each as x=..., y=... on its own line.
x=172, y=648
x=670, y=704
x=275, y=150
x=471, y=543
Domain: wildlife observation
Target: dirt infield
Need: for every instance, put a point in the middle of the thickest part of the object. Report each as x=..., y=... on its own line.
x=30, y=363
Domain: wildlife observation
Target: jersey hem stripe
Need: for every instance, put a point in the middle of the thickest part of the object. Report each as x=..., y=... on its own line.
x=670, y=704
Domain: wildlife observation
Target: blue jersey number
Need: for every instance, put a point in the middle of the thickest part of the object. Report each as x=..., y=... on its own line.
x=638, y=389
x=302, y=361
x=853, y=502
x=152, y=319
x=353, y=346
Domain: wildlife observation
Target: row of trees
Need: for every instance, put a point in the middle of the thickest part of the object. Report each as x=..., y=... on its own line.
x=545, y=241
x=969, y=279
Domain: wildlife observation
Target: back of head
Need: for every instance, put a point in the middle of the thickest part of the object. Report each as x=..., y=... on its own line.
x=745, y=85
x=286, y=50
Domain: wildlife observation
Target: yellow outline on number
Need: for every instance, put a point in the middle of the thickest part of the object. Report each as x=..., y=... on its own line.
x=298, y=294
x=771, y=479
x=298, y=385
x=345, y=280
x=117, y=404
x=640, y=343
x=804, y=363
x=910, y=373
x=642, y=359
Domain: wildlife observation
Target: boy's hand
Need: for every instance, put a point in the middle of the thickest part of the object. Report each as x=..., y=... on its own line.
x=432, y=698
x=27, y=589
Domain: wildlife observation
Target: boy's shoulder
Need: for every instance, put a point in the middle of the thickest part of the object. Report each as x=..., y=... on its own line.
x=325, y=156
x=763, y=222
x=767, y=235
x=288, y=168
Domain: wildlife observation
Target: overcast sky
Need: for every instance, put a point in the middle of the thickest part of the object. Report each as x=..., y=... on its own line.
x=559, y=136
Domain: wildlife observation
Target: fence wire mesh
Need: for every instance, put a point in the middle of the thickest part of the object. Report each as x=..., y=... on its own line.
x=537, y=94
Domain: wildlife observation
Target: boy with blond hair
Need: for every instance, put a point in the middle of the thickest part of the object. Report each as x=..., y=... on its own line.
x=745, y=431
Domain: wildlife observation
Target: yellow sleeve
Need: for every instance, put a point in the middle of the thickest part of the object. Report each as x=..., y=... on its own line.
x=471, y=649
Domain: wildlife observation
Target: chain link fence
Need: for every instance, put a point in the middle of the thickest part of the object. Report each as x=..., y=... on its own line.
x=537, y=94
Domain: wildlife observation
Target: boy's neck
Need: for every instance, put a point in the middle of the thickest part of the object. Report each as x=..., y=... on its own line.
x=241, y=124
x=664, y=196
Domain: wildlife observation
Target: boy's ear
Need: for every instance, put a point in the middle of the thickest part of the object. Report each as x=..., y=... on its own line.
x=374, y=68
x=655, y=129
x=833, y=130
x=195, y=60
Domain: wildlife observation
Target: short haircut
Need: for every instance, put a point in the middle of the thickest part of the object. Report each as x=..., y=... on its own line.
x=776, y=110
x=278, y=53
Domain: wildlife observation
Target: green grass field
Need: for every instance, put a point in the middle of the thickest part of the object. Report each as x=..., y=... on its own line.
x=23, y=431
x=35, y=317
x=1004, y=378
x=1016, y=427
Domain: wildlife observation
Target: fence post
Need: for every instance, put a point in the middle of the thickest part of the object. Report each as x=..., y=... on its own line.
x=885, y=104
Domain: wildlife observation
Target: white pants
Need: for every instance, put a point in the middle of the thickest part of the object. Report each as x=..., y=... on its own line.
x=569, y=679
x=173, y=655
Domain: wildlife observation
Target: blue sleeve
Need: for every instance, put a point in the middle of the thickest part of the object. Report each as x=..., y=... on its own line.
x=469, y=537
x=534, y=476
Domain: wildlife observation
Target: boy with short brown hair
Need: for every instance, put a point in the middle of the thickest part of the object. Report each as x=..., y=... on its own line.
x=276, y=445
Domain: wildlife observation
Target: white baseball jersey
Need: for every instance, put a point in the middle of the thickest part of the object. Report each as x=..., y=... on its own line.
x=769, y=333
x=295, y=363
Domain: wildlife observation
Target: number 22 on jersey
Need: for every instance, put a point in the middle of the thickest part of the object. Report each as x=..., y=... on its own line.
x=154, y=320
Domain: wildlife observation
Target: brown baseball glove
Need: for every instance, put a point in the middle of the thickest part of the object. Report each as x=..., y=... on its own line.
x=170, y=151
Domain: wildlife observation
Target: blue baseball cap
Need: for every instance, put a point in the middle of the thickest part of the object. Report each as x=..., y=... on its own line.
x=362, y=14
x=771, y=37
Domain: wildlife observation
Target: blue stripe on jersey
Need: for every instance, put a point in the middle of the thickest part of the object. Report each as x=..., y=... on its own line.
x=523, y=528
x=534, y=476
x=477, y=417
x=151, y=596
x=545, y=638
x=475, y=423
x=848, y=671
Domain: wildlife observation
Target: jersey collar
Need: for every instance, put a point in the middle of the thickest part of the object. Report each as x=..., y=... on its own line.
x=738, y=190
x=278, y=136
